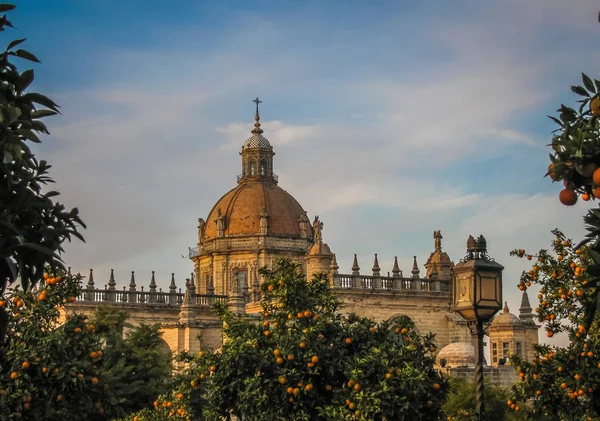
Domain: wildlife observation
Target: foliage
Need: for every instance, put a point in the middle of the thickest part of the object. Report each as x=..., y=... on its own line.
x=51, y=370
x=32, y=226
x=135, y=368
x=562, y=383
x=460, y=405
x=178, y=403
x=302, y=360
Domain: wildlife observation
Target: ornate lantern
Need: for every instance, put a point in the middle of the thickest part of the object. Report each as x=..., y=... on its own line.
x=477, y=297
x=477, y=283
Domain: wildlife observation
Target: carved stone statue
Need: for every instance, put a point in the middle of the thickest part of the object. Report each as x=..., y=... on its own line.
x=437, y=235
x=317, y=228
x=201, y=226
x=264, y=221
x=220, y=223
x=303, y=222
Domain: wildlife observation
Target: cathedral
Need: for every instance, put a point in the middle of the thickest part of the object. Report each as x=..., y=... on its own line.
x=257, y=222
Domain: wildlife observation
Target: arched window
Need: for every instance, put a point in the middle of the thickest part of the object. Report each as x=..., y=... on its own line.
x=253, y=167
x=245, y=169
x=263, y=167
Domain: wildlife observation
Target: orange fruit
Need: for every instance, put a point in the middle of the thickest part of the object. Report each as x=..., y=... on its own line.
x=577, y=377
x=213, y=368
x=279, y=360
x=348, y=341
x=585, y=197
x=568, y=197
x=307, y=313
x=277, y=352
x=290, y=390
x=282, y=380
x=388, y=376
x=436, y=386
x=180, y=396
x=14, y=375
x=267, y=333
x=328, y=387
x=290, y=357
x=77, y=330
x=94, y=380
x=302, y=345
x=315, y=359
x=25, y=365
x=551, y=171
x=310, y=365
x=595, y=106
x=296, y=391
x=308, y=387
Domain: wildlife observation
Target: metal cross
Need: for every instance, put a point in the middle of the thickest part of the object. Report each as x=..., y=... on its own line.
x=257, y=101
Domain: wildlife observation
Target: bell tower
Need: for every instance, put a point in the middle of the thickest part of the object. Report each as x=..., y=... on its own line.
x=257, y=155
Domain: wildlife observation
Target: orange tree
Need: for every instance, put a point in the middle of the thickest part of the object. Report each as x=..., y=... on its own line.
x=564, y=383
x=50, y=370
x=302, y=360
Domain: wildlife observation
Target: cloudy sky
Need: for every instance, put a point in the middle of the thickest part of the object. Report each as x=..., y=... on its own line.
x=389, y=120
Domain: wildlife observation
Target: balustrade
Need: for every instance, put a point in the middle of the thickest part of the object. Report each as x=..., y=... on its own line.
x=390, y=283
x=147, y=297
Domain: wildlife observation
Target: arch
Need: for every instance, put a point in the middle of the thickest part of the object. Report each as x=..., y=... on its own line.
x=252, y=167
x=263, y=167
x=164, y=348
x=245, y=168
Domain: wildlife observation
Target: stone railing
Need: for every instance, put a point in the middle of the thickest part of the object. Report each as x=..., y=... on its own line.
x=174, y=299
x=390, y=283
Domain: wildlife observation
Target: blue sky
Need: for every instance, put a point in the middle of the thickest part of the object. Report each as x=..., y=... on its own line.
x=389, y=119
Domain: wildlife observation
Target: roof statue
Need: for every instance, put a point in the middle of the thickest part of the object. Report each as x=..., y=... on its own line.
x=437, y=235
x=317, y=228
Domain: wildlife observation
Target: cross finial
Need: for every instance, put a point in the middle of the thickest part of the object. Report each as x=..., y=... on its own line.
x=257, y=130
x=257, y=101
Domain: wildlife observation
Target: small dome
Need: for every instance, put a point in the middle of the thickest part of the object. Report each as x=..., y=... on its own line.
x=506, y=319
x=439, y=257
x=459, y=354
x=320, y=249
x=257, y=141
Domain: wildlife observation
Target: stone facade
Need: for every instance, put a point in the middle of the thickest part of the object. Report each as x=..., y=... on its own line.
x=256, y=223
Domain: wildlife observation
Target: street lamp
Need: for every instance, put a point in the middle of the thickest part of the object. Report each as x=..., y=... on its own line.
x=477, y=297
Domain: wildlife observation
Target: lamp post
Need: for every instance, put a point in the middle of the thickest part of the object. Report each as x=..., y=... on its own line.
x=477, y=281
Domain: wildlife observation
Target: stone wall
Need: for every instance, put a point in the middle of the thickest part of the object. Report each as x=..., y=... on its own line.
x=503, y=376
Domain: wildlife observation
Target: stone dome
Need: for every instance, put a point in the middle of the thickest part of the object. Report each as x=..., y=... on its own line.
x=439, y=257
x=242, y=206
x=506, y=319
x=320, y=249
x=458, y=354
x=256, y=141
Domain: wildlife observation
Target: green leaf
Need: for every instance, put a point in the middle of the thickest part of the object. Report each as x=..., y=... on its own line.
x=43, y=113
x=579, y=90
x=556, y=120
x=594, y=255
x=15, y=42
x=24, y=54
x=26, y=79
x=588, y=83
x=40, y=99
